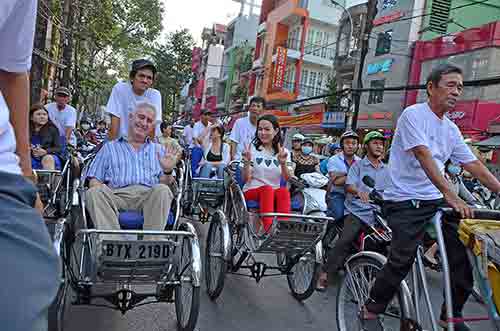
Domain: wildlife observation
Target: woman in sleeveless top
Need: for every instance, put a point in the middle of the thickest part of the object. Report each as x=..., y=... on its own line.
x=216, y=154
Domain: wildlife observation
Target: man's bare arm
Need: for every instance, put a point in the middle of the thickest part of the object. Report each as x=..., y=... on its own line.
x=114, y=127
x=479, y=171
x=15, y=90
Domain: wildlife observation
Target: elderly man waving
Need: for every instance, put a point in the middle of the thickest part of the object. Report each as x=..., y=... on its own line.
x=136, y=172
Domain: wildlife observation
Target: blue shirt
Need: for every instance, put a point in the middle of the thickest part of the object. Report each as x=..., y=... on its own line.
x=338, y=164
x=120, y=165
x=380, y=175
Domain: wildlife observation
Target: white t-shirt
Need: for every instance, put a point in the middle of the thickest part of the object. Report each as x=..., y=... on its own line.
x=17, y=30
x=338, y=164
x=419, y=126
x=122, y=102
x=198, y=129
x=63, y=119
x=187, y=133
x=266, y=169
x=242, y=134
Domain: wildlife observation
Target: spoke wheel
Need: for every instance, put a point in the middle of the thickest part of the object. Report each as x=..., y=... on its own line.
x=187, y=296
x=303, y=277
x=215, y=265
x=353, y=293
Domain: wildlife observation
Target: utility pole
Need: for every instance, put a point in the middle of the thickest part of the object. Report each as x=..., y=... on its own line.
x=365, y=43
x=38, y=63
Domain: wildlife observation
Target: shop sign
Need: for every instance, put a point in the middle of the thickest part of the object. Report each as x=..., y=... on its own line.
x=455, y=115
x=388, y=18
x=279, y=67
x=377, y=67
x=387, y=4
x=334, y=119
x=375, y=116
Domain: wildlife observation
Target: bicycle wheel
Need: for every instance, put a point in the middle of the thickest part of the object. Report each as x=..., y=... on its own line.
x=57, y=309
x=187, y=296
x=303, y=277
x=353, y=293
x=215, y=265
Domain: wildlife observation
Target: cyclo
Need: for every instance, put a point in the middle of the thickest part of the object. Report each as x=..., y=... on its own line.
x=93, y=259
x=234, y=242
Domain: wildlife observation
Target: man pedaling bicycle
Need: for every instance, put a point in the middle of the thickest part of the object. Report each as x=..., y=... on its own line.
x=424, y=140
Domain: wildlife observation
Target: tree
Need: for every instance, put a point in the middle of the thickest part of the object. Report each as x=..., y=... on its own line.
x=173, y=61
x=332, y=100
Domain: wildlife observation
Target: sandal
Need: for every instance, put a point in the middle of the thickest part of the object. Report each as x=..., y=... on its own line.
x=370, y=324
x=322, y=283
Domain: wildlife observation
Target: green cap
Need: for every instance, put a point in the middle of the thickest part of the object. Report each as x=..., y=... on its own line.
x=373, y=135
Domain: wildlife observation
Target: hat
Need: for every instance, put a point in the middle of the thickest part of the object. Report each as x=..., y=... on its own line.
x=63, y=90
x=298, y=136
x=373, y=135
x=307, y=141
x=141, y=64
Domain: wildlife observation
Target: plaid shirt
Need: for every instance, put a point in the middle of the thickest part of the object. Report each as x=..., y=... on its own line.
x=120, y=165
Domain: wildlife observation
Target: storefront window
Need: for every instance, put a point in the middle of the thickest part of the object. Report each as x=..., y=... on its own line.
x=384, y=40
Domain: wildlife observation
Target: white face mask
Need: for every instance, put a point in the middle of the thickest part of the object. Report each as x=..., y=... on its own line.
x=85, y=126
x=306, y=150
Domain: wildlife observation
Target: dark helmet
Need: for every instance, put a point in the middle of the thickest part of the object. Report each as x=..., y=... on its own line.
x=141, y=64
x=348, y=134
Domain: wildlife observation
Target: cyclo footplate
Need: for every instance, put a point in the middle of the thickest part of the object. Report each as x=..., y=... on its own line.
x=135, y=259
x=293, y=236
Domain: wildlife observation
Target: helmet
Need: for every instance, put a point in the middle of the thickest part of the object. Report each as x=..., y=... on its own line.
x=348, y=134
x=141, y=64
x=307, y=141
x=298, y=136
x=333, y=147
x=373, y=135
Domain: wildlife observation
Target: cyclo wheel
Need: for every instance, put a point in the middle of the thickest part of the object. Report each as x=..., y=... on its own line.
x=187, y=296
x=215, y=265
x=353, y=293
x=303, y=277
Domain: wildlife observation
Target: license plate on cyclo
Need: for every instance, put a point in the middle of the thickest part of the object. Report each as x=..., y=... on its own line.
x=136, y=250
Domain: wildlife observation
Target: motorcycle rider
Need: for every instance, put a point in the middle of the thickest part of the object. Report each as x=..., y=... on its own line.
x=305, y=162
x=338, y=168
x=358, y=209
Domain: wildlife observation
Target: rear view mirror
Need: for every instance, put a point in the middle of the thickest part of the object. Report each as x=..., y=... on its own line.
x=368, y=181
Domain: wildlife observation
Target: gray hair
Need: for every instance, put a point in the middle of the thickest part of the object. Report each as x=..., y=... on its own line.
x=146, y=106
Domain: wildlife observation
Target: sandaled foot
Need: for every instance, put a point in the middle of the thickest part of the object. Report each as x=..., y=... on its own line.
x=460, y=326
x=370, y=321
x=322, y=283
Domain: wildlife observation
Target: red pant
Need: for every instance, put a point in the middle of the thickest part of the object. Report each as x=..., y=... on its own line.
x=270, y=200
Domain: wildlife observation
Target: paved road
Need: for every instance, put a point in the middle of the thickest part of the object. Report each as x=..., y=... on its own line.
x=244, y=305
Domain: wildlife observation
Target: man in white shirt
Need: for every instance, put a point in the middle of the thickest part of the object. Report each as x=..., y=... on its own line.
x=200, y=126
x=126, y=95
x=187, y=134
x=424, y=140
x=244, y=128
x=63, y=115
x=31, y=276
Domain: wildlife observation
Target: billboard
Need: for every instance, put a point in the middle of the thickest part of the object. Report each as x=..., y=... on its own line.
x=279, y=67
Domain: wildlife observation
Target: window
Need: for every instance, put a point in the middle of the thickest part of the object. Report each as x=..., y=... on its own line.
x=384, y=40
x=304, y=78
x=319, y=85
x=376, y=96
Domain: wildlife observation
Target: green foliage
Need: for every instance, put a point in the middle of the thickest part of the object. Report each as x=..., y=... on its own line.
x=173, y=59
x=332, y=100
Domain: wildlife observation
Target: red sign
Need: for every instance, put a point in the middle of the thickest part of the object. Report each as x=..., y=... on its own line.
x=279, y=67
x=196, y=59
x=387, y=18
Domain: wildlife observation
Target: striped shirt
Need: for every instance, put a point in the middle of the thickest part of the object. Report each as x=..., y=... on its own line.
x=119, y=164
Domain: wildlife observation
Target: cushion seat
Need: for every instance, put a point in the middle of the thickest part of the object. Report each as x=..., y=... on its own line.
x=134, y=220
x=296, y=204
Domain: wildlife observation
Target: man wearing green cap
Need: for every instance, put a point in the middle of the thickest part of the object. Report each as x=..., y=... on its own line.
x=358, y=210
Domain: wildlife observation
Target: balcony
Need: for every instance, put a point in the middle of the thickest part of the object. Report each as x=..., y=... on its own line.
x=307, y=91
x=322, y=54
x=282, y=95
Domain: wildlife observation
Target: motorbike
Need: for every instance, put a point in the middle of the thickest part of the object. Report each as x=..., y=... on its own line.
x=309, y=193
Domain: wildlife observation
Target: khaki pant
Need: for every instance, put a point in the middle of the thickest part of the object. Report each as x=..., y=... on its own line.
x=104, y=204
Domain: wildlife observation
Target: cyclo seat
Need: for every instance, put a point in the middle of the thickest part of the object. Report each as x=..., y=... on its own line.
x=296, y=204
x=134, y=219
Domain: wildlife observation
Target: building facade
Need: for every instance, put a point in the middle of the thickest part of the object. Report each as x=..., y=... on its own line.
x=295, y=49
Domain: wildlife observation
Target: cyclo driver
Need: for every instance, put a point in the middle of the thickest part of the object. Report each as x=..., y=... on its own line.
x=424, y=140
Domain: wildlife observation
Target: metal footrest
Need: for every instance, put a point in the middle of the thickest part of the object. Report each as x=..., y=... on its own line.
x=293, y=235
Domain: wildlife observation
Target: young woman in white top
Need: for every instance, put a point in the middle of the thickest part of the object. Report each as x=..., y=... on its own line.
x=265, y=164
x=216, y=153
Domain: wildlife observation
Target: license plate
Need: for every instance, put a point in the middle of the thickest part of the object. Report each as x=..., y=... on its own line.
x=136, y=250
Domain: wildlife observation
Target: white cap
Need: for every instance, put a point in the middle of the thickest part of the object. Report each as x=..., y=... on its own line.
x=298, y=136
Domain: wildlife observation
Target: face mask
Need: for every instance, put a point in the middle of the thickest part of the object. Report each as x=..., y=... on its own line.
x=306, y=150
x=85, y=127
x=454, y=169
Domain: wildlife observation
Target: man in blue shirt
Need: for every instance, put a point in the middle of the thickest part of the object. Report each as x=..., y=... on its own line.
x=357, y=208
x=132, y=174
